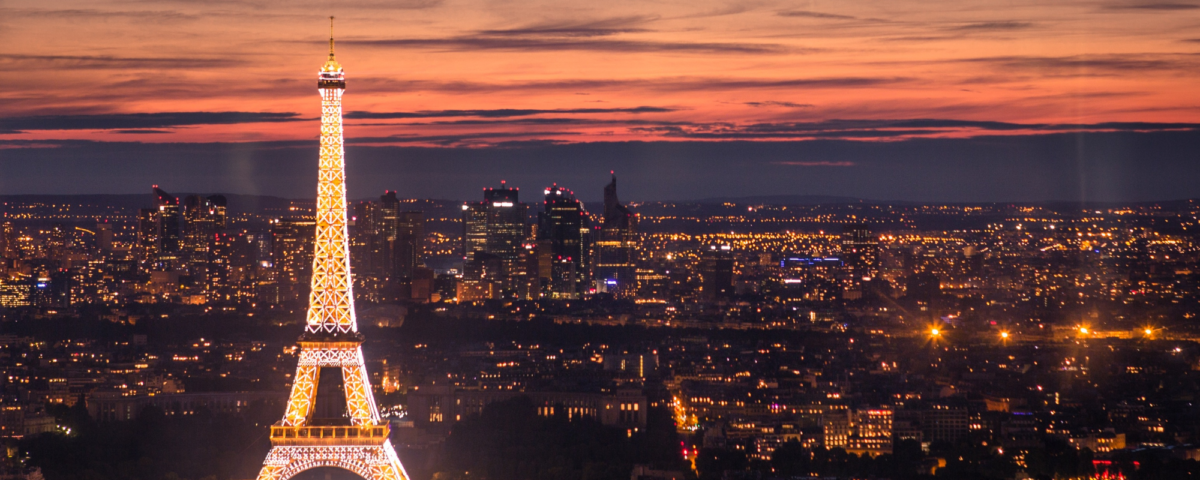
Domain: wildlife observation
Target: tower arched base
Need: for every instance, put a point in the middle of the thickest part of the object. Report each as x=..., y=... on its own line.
x=370, y=462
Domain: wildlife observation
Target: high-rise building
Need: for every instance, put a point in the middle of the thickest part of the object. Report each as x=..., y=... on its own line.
x=506, y=228
x=616, y=247
x=369, y=245
x=496, y=226
x=202, y=225
x=8, y=249
x=389, y=206
x=291, y=259
x=104, y=237
x=170, y=241
x=859, y=254
x=146, y=248
x=8, y=241
x=408, y=246
x=563, y=223
x=160, y=243
x=387, y=244
x=475, y=227
x=716, y=273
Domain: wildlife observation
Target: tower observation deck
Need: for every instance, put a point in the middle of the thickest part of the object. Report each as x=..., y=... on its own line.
x=358, y=442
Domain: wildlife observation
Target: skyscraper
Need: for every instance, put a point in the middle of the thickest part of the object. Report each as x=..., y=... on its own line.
x=146, y=249
x=169, y=223
x=369, y=245
x=8, y=241
x=716, y=273
x=388, y=242
x=496, y=226
x=104, y=238
x=616, y=247
x=563, y=223
x=159, y=234
x=408, y=246
x=860, y=255
x=475, y=228
x=201, y=225
x=291, y=249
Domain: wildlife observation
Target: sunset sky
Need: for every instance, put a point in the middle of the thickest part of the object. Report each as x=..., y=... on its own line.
x=905, y=100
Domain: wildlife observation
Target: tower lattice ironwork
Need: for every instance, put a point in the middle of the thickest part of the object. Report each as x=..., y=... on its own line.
x=359, y=443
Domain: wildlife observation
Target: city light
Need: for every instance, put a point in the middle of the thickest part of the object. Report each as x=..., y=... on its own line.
x=778, y=296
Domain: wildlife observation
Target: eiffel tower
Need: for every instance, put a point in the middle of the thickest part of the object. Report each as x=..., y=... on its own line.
x=360, y=443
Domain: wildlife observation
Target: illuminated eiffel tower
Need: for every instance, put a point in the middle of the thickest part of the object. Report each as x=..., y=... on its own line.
x=360, y=443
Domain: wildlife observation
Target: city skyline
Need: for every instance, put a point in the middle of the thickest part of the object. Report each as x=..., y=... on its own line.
x=835, y=297
x=1079, y=101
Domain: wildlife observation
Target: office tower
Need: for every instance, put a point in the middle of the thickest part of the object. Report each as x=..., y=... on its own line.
x=541, y=267
x=160, y=241
x=219, y=211
x=291, y=259
x=385, y=227
x=408, y=245
x=483, y=278
x=169, y=223
x=58, y=242
x=506, y=228
x=859, y=253
x=563, y=223
x=104, y=237
x=146, y=249
x=205, y=250
x=387, y=245
x=369, y=245
x=8, y=241
x=8, y=252
x=496, y=226
x=475, y=227
x=248, y=262
x=716, y=273
x=357, y=441
x=616, y=247
x=198, y=230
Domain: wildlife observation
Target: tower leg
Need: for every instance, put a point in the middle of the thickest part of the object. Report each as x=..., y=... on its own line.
x=360, y=403
x=304, y=394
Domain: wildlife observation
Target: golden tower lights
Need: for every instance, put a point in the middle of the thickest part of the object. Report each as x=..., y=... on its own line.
x=331, y=338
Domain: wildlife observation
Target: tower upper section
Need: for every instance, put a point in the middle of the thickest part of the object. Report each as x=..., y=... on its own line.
x=331, y=300
x=331, y=75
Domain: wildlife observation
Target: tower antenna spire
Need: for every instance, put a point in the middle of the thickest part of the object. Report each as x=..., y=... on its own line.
x=331, y=37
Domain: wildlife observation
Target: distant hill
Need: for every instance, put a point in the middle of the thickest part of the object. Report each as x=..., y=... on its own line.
x=256, y=204
x=783, y=200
